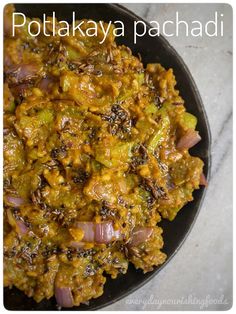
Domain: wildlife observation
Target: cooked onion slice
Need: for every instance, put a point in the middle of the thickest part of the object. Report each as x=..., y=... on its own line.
x=18, y=225
x=105, y=233
x=88, y=229
x=140, y=235
x=189, y=139
x=20, y=89
x=15, y=201
x=64, y=296
x=46, y=84
x=6, y=131
x=7, y=25
x=21, y=227
x=22, y=72
x=203, y=180
x=98, y=232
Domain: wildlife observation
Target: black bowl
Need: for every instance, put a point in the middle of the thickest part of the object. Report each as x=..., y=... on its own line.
x=152, y=49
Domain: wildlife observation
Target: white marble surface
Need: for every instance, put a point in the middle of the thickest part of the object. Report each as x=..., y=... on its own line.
x=203, y=266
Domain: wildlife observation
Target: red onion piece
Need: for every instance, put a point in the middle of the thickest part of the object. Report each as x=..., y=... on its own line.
x=189, y=139
x=22, y=72
x=7, y=25
x=18, y=225
x=20, y=89
x=117, y=235
x=140, y=235
x=88, y=229
x=7, y=61
x=98, y=232
x=6, y=131
x=15, y=201
x=64, y=296
x=46, y=84
x=104, y=232
x=203, y=180
x=22, y=229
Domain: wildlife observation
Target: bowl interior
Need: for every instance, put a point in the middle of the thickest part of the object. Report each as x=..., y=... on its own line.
x=152, y=49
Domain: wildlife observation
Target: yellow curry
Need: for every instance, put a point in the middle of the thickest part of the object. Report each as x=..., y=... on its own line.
x=96, y=153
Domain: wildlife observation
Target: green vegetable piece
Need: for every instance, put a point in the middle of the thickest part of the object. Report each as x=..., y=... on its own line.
x=140, y=78
x=188, y=121
x=151, y=109
x=65, y=83
x=129, y=91
x=95, y=165
x=160, y=133
x=11, y=107
x=72, y=53
x=114, y=156
x=45, y=116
